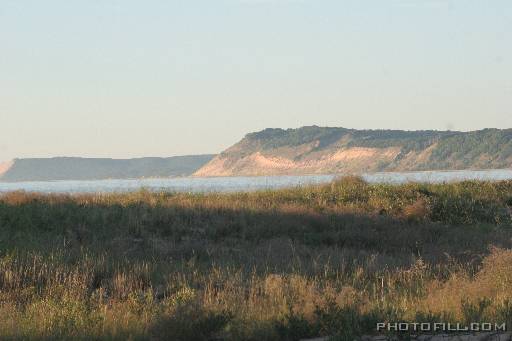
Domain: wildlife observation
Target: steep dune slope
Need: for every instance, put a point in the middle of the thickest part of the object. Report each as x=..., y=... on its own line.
x=4, y=167
x=315, y=150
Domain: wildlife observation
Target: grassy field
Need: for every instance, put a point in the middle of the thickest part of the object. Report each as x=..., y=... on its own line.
x=272, y=265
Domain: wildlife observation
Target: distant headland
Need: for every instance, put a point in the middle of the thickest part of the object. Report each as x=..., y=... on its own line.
x=306, y=150
x=73, y=168
x=317, y=150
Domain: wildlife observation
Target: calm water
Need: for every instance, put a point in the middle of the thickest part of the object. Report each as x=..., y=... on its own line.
x=230, y=184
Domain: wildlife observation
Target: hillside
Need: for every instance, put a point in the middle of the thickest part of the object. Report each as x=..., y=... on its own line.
x=69, y=168
x=4, y=167
x=315, y=150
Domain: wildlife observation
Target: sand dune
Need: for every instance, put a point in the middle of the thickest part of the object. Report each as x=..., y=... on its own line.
x=317, y=150
x=5, y=166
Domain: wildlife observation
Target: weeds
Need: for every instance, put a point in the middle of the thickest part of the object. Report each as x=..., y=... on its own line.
x=270, y=265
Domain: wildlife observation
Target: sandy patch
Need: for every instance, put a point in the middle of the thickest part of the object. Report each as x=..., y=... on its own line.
x=365, y=153
x=216, y=167
x=344, y=160
x=271, y=162
x=414, y=160
x=5, y=166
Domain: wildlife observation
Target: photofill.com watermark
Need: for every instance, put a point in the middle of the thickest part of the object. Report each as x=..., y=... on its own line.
x=441, y=327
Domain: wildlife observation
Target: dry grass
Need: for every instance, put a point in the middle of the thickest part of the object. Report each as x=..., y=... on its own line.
x=272, y=265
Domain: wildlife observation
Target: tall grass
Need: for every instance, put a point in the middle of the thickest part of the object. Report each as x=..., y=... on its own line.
x=270, y=265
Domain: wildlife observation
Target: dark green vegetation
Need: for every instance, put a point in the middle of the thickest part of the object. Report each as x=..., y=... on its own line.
x=271, y=265
x=70, y=168
x=455, y=147
x=411, y=140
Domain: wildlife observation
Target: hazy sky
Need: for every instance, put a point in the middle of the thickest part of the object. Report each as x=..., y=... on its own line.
x=125, y=78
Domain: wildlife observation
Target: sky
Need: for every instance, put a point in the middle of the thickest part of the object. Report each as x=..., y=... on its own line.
x=131, y=78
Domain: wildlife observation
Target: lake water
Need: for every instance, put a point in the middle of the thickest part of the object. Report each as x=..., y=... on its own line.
x=232, y=184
